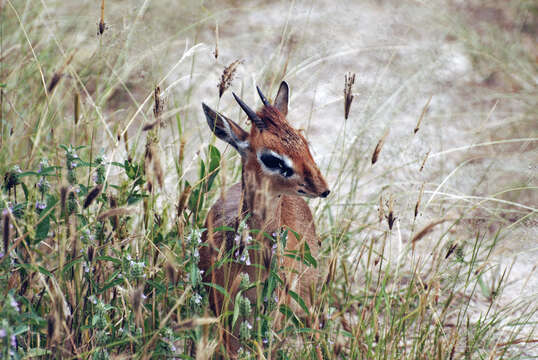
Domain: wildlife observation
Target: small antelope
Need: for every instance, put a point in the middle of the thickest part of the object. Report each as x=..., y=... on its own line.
x=278, y=170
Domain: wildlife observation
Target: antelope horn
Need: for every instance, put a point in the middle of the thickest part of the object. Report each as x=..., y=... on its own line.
x=264, y=99
x=251, y=113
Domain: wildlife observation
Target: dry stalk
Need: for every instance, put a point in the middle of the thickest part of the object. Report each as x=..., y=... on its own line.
x=424, y=161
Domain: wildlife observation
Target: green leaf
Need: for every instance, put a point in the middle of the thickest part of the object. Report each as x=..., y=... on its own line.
x=218, y=288
x=214, y=163
x=288, y=313
x=299, y=301
x=109, y=258
x=236, y=309
x=44, y=271
x=42, y=229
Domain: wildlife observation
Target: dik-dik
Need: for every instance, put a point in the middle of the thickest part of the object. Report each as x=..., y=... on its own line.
x=277, y=172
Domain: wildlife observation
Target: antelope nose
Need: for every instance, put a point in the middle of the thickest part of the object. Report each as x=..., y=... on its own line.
x=325, y=193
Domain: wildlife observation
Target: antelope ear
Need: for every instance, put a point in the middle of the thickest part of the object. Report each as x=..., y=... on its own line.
x=227, y=130
x=282, y=97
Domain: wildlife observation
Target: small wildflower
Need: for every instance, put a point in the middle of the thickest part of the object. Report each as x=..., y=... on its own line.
x=40, y=205
x=44, y=163
x=237, y=239
x=13, y=341
x=197, y=299
x=43, y=185
x=14, y=304
x=3, y=333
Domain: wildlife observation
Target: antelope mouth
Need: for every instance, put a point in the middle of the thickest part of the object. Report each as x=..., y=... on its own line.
x=305, y=194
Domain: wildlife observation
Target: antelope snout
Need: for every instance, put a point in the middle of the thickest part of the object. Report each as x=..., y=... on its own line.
x=325, y=193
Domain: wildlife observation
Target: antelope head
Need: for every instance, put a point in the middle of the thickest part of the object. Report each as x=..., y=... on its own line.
x=274, y=154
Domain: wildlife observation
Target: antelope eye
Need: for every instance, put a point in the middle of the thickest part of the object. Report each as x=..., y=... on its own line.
x=272, y=162
x=276, y=164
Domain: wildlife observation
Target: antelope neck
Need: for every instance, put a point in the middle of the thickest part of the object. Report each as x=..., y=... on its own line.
x=263, y=208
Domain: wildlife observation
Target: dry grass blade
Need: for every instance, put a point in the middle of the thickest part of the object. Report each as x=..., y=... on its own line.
x=216, y=52
x=158, y=170
x=424, y=110
x=349, y=80
x=380, y=210
x=424, y=161
x=227, y=76
x=92, y=195
x=379, y=146
x=427, y=229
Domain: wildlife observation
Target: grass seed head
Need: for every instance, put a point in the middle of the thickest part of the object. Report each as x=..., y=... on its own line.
x=417, y=205
x=227, y=76
x=390, y=217
x=51, y=328
x=5, y=232
x=170, y=273
x=92, y=195
x=54, y=81
x=158, y=103
x=63, y=198
x=378, y=147
x=426, y=230
x=349, y=80
x=424, y=110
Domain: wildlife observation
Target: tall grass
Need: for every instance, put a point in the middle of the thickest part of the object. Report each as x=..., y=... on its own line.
x=107, y=179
